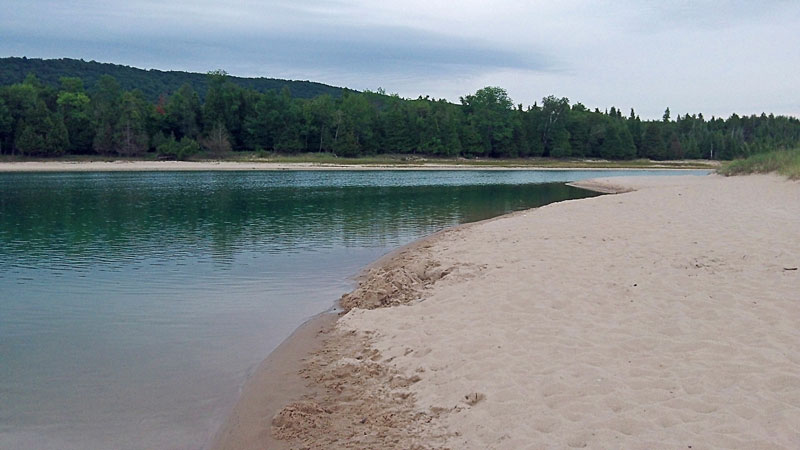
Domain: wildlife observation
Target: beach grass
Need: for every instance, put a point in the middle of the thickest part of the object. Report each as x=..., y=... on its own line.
x=783, y=162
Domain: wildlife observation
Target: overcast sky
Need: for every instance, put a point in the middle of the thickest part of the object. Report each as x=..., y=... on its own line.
x=715, y=57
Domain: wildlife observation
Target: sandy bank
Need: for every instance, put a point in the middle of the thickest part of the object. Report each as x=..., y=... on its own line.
x=188, y=166
x=665, y=317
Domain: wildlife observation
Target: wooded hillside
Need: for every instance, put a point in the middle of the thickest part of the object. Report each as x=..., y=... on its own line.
x=79, y=116
x=153, y=83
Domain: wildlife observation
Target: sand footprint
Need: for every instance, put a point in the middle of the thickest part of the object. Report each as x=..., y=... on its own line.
x=580, y=441
x=473, y=398
x=546, y=426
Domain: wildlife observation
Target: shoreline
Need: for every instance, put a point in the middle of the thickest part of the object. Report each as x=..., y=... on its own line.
x=281, y=371
x=191, y=166
x=708, y=333
x=275, y=383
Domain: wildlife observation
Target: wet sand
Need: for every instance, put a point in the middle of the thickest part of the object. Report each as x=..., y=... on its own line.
x=663, y=317
x=276, y=382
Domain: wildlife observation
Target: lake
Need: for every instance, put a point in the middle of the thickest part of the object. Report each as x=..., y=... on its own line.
x=133, y=306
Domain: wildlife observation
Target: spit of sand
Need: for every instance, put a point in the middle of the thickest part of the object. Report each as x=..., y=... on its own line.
x=664, y=317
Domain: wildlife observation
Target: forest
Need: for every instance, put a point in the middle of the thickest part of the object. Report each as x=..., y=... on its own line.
x=75, y=117
x=152, y=83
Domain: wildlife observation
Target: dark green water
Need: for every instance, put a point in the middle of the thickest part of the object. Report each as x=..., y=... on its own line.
x=134, y=305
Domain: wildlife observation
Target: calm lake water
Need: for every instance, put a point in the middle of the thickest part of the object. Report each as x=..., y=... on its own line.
x=134, y=305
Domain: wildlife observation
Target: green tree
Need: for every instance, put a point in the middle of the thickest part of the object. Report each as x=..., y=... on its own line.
x=398, y=134
x=105, y=103
x=263, y=126
x=675, y=149
x=226, y=108
x=57, y=137
x=579, y=128
x=617, y=143
x=74, y=108
x=276, y=122
x=183, y=112
x=653, y=142
x=532, y=123
x=490, y=112
x=6, y=122
x=553, y=127
x=290, y=135
x=21, y=100
x=471, y=142
x=324, y=115
x=169, y=147
x=636, y=131
x=354, y=121
x=28, y=141
x=450, y=136
x=627, y=148
x=130, y=136
x=40, y=132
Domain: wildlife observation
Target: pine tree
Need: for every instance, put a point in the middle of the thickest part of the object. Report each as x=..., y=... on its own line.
x=57, y=138
x=6, y=121
x=653, y=142
x=130, y=137
x=183, y=112
x=29, y=142
x=105, y=104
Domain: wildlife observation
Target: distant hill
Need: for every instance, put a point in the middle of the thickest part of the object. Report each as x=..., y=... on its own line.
x=152, y=83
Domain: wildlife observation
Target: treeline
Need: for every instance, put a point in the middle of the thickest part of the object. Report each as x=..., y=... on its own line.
x=40, y=120
x=152, y=83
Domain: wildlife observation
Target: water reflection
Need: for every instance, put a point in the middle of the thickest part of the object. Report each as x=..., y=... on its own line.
x=68, y=222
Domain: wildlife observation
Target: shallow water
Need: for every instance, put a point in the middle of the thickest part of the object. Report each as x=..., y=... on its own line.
x=134, y=305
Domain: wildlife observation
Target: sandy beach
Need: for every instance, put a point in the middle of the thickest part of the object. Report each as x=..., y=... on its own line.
x=663, y=317
x=188, y=166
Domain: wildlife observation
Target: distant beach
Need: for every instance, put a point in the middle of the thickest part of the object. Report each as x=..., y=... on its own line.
x=177, y=166
x=665, y=317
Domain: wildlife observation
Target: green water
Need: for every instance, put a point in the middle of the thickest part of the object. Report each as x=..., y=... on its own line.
x=134, y=305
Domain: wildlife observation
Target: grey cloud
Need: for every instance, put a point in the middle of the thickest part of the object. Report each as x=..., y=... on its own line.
x=363, y=49
x=395, y=49
x=708, y=14
x=304, y=36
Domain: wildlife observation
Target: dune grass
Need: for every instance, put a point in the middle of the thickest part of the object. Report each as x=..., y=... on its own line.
x=783, y=162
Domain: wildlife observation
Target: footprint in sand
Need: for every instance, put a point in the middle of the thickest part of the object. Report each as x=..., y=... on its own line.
x=473, y=398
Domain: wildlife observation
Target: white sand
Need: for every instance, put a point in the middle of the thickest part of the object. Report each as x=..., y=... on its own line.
x=660, y=318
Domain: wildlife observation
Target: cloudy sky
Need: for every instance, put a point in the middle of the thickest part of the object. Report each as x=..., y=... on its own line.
x=715, y=57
